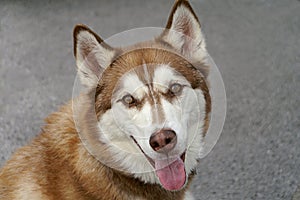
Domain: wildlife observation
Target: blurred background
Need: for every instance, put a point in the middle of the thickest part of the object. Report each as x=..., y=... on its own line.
x=255, y=44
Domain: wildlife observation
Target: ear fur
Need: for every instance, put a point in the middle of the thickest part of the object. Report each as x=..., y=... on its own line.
x=92, y=55
x=183, y=31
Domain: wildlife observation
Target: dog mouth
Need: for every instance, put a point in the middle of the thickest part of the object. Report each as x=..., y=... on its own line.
x=170, y=171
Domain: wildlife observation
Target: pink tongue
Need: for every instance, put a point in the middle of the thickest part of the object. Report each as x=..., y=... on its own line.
x=171, y=173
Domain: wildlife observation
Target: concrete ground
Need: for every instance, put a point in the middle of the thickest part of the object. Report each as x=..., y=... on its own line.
x=256, y=45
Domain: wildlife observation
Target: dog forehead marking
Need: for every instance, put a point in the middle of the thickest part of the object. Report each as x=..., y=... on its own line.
x=146, y=73
x=133, y=85
x=156, y=113
x=164, y=75
x=150, y=80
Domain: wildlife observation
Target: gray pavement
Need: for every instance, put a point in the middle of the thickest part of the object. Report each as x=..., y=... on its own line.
x=256, y=45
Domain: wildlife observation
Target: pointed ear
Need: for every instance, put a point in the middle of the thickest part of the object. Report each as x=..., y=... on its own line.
x=92, y=55
x=183, y=31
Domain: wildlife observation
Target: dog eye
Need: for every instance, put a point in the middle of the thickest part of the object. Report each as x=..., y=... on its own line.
x=176, y=88
x=128, y=100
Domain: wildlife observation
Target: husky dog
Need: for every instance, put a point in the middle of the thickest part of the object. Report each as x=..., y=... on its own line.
x=136, y=133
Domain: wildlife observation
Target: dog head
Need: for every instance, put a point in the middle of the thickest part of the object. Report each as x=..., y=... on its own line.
x=151, y=100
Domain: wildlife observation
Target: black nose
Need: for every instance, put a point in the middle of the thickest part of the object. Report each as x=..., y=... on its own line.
x=163, y=140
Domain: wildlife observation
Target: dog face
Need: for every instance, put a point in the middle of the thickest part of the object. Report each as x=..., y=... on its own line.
x=151, y=100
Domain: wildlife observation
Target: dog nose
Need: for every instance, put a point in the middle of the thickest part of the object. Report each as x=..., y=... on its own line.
x=163, y=140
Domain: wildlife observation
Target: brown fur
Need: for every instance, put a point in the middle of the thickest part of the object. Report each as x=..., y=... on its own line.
x=56, y=165
x=61, y=168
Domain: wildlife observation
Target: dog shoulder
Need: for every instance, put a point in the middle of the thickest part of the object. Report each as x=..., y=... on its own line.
x=34, y=169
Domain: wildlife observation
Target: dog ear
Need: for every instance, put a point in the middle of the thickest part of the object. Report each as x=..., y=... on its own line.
x=92, y=55
x=183, y=31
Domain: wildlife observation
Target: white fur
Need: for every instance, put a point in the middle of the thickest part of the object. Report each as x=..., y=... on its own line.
x=132, y=85
x=191, y=118
x=120, y=122
x=164, y=75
